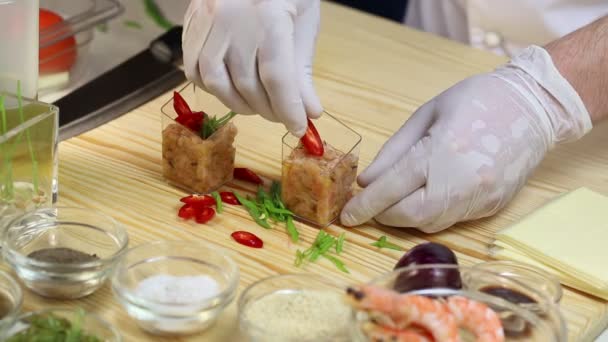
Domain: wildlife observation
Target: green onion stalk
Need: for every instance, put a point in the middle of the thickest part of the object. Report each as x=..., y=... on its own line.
x=8, y=188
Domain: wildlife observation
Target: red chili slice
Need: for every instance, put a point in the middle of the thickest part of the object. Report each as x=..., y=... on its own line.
x=312, y=141
x=186, y=212
x=180, y=105
x=199, y=201
x=244, y=174
x=247, y=239
x=204, y=215
x=193, y=121
x=229, y=197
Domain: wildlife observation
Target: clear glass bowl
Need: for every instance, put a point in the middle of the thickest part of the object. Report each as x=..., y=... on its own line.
x=64, y=47
x=519, y=323
x=178, y=259
x=189, y=162
x=28, y=157
x=12, y=299
x=288, y=286
x=526, y=274
x=91, y=324
x=83, y=230
x=316, y=189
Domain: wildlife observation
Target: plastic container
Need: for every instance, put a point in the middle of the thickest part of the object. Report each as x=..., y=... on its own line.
x=28, y=156
x=336, y=328
x=83, y=230
x=519, y=323
x=314, y=188
x=174, y=258
x=11, y=303
x=189, y=162
x=90, y=323
x=64, y=46
x=19, y=39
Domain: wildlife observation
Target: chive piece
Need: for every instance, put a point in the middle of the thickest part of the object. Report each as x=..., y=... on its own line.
x=218, y=201
x=383, y=243
x=339, y=264
x=292, y=230
x=253, y=210
x=132, y=24
x=340, y=243
x=157, y=15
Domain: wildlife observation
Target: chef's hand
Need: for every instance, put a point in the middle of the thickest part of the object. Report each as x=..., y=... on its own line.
x=255, y=56
x=468, y=151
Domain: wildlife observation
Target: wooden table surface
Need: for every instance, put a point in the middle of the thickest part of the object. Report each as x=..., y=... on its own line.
x=371, y=74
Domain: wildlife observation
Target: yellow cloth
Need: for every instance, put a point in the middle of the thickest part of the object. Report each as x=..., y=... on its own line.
x=567, y=237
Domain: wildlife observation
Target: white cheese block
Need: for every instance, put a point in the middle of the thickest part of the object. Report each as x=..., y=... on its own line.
x=568, y=237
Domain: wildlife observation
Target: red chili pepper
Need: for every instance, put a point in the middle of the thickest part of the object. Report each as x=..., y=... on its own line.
x=229, y=197
x=180, y=105
x=193, y=121
x=204, y=215
x=247, y=175
x=312, y=141
x=186, y=212
x=247, y=239
x=199, y=201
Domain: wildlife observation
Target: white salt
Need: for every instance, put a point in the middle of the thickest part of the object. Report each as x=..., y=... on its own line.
x=177, y=290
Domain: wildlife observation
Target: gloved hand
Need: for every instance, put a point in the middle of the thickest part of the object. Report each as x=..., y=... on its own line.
x=466, y=153
x=255, y=56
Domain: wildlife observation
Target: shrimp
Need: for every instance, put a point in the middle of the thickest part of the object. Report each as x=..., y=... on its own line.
x=476, y=317
x=380, y=333
x=405, y=310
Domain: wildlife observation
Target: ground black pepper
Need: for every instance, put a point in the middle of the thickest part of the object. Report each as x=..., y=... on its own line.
x=62, y=255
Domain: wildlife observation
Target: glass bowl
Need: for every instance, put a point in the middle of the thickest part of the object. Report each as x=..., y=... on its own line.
x=306, y=297
x=529, y=275
x=11, y=299
x=134, y=286
x=98, y=239
x=90, y=323
x=315, y=188
x=189, y=162
x=519, y=323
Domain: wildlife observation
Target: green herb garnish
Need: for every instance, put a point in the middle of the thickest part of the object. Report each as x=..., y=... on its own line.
x=269, y=206
x=218, y=201
x=340, y=243
x=29, y=140
x=50, y=327
x=212, y=124
x=383, y=243
x=157, y=15
x=320, y=248
x=133, y=24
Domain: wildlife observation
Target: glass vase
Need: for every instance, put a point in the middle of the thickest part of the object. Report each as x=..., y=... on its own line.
x=28, y=155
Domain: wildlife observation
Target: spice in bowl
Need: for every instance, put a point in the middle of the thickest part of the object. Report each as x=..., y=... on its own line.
x=62, y=255
x=177, y=290
x=304, y=315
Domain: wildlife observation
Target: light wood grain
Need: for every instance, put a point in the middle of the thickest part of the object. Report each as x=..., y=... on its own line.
x=371, y=74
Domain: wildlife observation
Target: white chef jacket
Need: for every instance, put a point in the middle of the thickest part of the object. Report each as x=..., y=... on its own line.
x=503, y=26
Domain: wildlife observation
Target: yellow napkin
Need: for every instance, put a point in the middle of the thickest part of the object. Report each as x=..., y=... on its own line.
x=567, y=237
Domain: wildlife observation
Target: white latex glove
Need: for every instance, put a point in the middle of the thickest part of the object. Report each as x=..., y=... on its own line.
x=466, y=153
x=255, y=56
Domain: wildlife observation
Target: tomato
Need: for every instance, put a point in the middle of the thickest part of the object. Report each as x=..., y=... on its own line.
x=204, y=215
x=60, y=56
x=248, y=239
